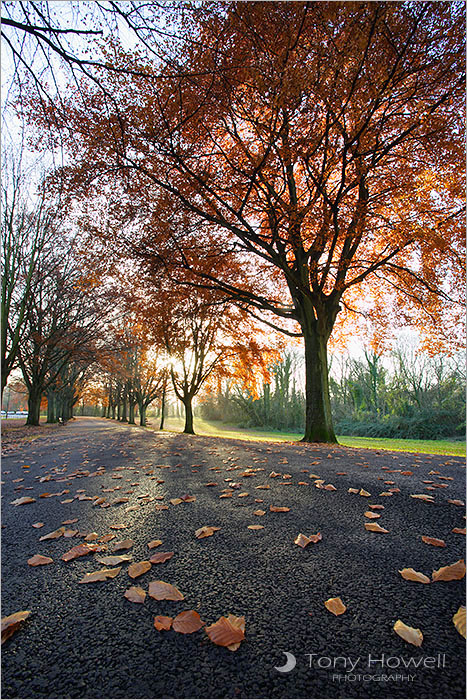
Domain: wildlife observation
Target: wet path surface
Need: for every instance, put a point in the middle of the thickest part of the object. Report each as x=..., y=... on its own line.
x=88, y=641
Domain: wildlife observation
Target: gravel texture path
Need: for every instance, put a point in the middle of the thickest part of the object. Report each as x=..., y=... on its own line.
x=88, y=641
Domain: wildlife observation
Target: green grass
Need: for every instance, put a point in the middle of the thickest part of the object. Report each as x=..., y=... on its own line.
x=218, y=429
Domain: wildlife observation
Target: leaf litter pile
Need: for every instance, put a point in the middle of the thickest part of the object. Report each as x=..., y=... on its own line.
x=260, y=491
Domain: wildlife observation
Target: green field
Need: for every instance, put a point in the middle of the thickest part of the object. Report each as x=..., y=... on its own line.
x=218, y=429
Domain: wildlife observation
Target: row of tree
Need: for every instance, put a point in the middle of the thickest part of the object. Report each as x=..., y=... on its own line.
x=404, y=393
x=294, y=163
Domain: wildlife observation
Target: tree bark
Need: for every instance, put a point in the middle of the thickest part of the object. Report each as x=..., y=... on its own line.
x=34, y=407
x=142, y=414
x=161, y=425
x=131, y=413
x=51, y=417
x=188, y=415
x=318, y=417
x=124, y=417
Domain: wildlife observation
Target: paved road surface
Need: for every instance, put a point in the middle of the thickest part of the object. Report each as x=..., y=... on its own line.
x=88, y=641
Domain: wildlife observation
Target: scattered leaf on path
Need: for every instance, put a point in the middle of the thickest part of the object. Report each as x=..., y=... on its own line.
x=101, y=575
x=160, y=590
x=302, y=540
x=374, y=527
x=39, y=560
x=422, y=497
x=335, y=605
x=135, y=594
x=227, y=632
x=11, y=623
x=115, y=560
x=371, y=516
x=458, y=530
x=362, y=492
x=459, y=620
x=279, y=509
x=154, y=543
x=80, y=550
x=409, y=634
x=187, y=622
x=255, y=527
x=37, y=525
x=162, y=622
x=434, y=541
x=138, y=568
x=53, y=535
x=453, y=572
x=206, y=531
x=22, y=501
x=161, y=557
x=122, y=544
x=412, y=575
x=259, y=512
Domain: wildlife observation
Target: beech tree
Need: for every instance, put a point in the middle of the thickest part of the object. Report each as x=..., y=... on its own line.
x=313, y=148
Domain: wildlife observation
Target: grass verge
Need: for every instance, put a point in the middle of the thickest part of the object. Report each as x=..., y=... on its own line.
x=218, y=429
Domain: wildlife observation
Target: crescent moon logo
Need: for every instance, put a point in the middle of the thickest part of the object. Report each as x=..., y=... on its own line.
x=290, y=665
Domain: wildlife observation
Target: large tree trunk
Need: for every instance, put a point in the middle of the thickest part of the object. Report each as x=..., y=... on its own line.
x=124, y=410
x=188, y=415
x=51, y=417
x=318, y=418
x=131, y=413
x=142, y=414
x=34, y=407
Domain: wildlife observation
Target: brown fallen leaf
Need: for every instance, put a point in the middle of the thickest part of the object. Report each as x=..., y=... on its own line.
x=37, y=525
x=53, y=535
x=107, y=538
x=458, y=530
x=259, y=512
x=371, y=516
x=303, y=540
x=118, y=526
x=135, y=594
x=362, y=492
x=161, y=557
x=187, y=622
x=101, y=575
x=176, y=501
x=453, y=572
x=154, y=543
x=255, y=527
x=115, y=560
x=412, y=575
x=80, y=550
x=122, y=544
x=227, y=632
x=422, y=497
x=456, y=502
x=376, y=507
x=374, y=527
x=160, y=590
x=330, y=487
x=163, y=622
x=335, y=605
x=409, y=634
x=434, y=541
x=279, y=509
x=205, y=531
x=91, y=537
x=39, y=560
x=11, y=623
x=459, y=620
x=22, y=501
x=351, y=490
x=385, y=493
x=70, y=533
x=138, y=568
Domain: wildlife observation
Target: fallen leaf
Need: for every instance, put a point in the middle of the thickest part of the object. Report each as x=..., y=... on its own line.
x=135, y=594
x=434, y=541
x=459, y=620
x=101, y=575
x=330, y=487
x=80, y=550
x=259, y=512
x=456, y=502
x=162, y=622
x=12, y=622
x=279, y=509
x=303, y=540
x=335, y=605
x=119, y=526
x=91, y=537
x=412, y=575
x=458, y=530
x=255, y=527
x=122, y=544
x=115, y=560
x=362, y=492
x=37, y=525
x=138, y=568
x=371, y=516
x=374, y=527
x=422, y=497
x=377, y=507
x=161, y=557
x=160, y=590
x=176, y=501
x=453, y=572
x=227, y=632
x=385, y=493
x=154, y=543
x=187, y=622
x=206, y=531
x=53, y=535
x=39, y=560
x=22, y=501
x=409, y=634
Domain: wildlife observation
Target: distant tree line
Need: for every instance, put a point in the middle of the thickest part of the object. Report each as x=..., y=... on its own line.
x=403, y=394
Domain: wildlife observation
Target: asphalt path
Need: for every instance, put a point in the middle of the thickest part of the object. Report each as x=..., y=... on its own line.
x=88, y=641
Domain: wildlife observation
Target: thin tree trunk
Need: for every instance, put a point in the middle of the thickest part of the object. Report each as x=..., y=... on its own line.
x=188, y=416
x=161, y=426
x=104, y=412
x=51, y=417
